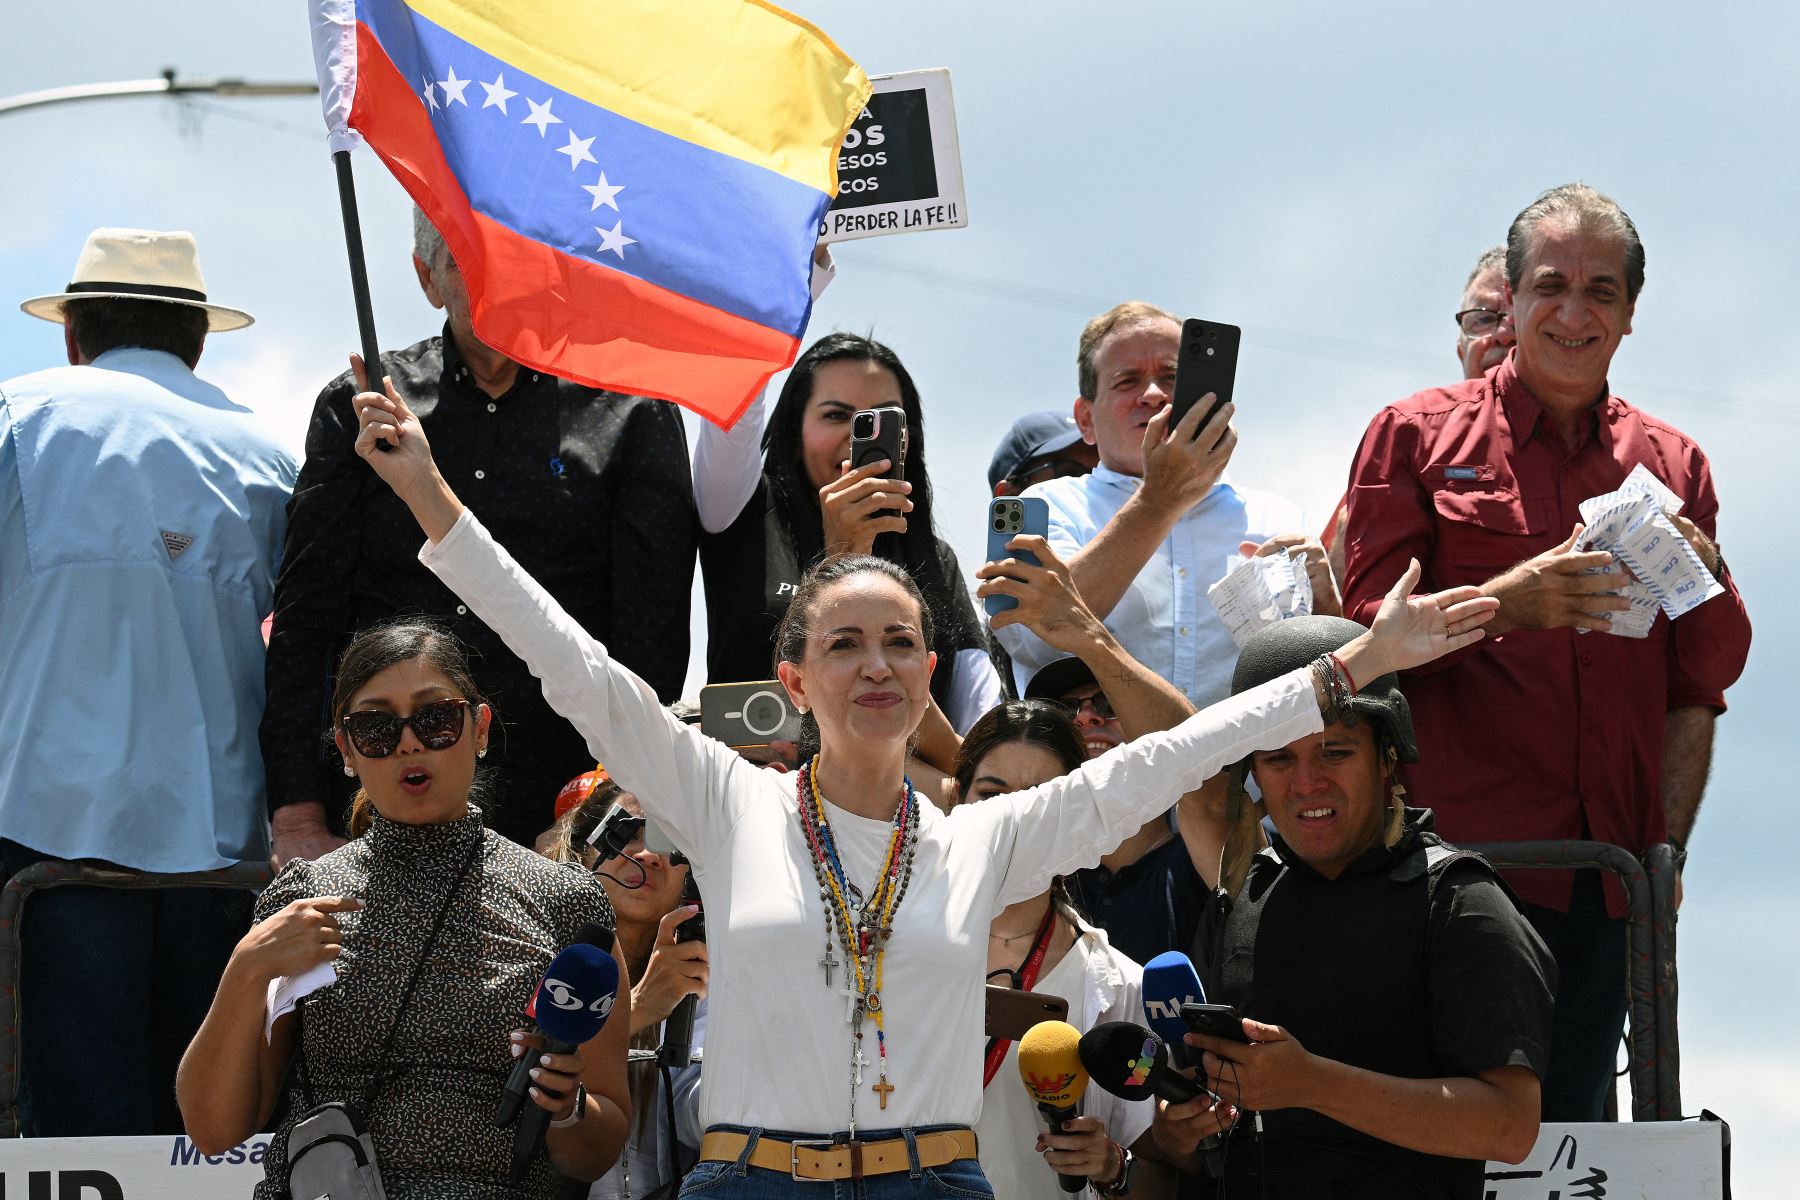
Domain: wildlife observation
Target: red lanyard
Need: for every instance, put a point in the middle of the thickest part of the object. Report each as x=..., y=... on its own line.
x=1028, y=975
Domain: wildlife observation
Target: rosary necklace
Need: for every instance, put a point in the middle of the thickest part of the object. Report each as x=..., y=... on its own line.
x=860, y=927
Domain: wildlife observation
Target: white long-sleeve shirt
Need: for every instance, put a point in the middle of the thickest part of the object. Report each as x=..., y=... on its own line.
x=779, y=1040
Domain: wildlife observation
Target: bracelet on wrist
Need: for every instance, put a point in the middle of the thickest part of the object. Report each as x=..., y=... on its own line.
x=575, y=1114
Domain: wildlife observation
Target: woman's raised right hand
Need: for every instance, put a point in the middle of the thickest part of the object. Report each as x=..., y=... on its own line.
x=848, y=506
x=296, y=939
x=389, y=437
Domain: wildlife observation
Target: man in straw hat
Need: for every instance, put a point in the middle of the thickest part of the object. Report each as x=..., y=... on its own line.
x=1396, y=1003
x=141, y=516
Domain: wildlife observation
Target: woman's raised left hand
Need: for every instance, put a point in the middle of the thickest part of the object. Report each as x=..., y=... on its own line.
x=1410, y=630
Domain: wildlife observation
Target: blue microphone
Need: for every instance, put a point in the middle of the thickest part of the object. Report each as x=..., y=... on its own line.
x=570, y=1007
x=1169, y=982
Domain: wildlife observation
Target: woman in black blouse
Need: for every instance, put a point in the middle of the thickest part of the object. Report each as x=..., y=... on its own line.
x=809, y=506
x=410, y=725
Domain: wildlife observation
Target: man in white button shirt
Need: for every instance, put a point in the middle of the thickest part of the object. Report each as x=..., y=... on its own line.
x=1157, y=523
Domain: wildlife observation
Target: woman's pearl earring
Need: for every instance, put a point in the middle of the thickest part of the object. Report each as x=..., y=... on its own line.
x=350, y=770
x=481, y=753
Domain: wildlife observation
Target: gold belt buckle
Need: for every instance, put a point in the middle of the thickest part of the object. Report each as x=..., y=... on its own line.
x=794, y=1149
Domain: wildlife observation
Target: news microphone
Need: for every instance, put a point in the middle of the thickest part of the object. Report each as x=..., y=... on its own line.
x=593, y=935
x=677, y=1048
x=1132, y=1063
x=1050, y=1065
x=570, y=1007
x=1169, y=982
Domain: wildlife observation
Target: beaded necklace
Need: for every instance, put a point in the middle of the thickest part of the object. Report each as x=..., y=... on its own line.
x=862, y=929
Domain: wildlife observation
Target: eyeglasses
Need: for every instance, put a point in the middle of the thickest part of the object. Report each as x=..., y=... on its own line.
x=1098, y=702
x=1478, y=322
x=375, y=734
x=1054, y=468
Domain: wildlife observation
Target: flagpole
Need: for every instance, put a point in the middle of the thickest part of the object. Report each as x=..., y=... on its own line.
x=359, y=271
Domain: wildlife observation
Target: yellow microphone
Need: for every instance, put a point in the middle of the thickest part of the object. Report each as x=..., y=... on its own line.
x=1050, y=1065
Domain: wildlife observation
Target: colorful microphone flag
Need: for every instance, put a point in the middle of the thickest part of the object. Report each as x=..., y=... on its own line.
x=631, y=189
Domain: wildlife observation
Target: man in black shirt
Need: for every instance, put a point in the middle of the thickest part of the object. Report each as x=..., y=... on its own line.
x=589, y=490
x=1395, y=1001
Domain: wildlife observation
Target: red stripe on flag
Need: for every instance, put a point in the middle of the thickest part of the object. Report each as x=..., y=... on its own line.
x=554, y=312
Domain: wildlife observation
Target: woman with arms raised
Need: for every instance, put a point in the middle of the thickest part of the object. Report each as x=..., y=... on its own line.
x=848, y=920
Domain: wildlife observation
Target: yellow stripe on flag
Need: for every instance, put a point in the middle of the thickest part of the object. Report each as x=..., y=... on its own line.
x=741, y=77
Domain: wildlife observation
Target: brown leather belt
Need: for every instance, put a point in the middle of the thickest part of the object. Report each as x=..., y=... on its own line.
x=828, y=1160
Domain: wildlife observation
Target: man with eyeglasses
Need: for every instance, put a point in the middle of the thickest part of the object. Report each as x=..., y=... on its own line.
x=1040, y=446
x=1584, y=735
x=1156, y=523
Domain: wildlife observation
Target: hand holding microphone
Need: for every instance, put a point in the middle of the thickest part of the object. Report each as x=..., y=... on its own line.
x=1050, y=1065
x=1132, y=1063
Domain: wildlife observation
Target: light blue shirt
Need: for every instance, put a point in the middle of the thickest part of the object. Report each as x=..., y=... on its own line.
x=141, y=521
x=1164, y=619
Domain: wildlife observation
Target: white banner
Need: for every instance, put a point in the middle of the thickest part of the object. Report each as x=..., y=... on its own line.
x=127, y=1168
x=1676, y=1160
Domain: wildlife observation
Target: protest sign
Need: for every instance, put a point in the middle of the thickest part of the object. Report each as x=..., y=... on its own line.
x=900, y=167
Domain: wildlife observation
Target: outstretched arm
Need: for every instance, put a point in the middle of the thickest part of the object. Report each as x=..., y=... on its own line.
x=688, y=782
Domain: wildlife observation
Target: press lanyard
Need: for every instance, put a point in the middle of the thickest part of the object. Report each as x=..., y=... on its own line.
x=1028, y=975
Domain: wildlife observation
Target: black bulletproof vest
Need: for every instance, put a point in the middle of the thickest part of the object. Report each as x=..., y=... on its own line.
x=1342, y=965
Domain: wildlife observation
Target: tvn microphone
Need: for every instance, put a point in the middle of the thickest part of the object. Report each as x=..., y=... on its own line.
x=1170, y=981
x=570, y=1007
x=594, y=935
x=1133, y=1064
x=1051, y=1068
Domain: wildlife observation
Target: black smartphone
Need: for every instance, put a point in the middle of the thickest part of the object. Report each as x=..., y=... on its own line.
x=1215, y=1020
x=1207, y=363
x=1012, y=1013
x=875, y=434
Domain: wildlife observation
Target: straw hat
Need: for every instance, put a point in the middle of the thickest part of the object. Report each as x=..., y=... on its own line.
x=139, y=264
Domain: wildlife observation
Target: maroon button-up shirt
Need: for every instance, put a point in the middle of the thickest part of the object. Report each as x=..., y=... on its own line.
x=1539, y=734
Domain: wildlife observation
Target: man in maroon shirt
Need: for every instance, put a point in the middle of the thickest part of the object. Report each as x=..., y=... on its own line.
x=1542, y=731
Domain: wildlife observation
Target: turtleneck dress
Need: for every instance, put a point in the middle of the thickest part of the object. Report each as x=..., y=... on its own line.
x=433, y=1115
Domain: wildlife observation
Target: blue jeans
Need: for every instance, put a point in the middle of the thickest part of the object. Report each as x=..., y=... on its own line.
x=112, y=985
x=740, y=1181
x=1592, y=999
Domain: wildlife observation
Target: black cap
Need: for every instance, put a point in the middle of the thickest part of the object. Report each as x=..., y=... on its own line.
x=1032, y=436
x=1291, y=644
x=1054, y=680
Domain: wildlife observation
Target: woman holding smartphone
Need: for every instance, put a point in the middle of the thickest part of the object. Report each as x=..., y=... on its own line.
x=808, y=505
x=848, y=918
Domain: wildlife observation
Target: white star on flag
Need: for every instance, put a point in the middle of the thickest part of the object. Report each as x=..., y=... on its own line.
x=541, y=115
x=612, y=239
x=577, y=150
x=604, y=193
x=430, y=94
x=453, y=89
x=498, y=94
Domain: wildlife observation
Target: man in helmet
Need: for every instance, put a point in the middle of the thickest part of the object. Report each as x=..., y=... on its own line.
x=1396, y=1002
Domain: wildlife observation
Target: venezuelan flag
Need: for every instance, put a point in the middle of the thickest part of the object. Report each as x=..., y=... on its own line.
x=632, y=189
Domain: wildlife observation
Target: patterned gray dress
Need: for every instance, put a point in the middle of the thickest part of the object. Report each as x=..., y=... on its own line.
x=433, y=1119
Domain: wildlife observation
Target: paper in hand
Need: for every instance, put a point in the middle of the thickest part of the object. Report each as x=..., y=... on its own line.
x=286, y=991
x=1667, y=574
x=1259, y=592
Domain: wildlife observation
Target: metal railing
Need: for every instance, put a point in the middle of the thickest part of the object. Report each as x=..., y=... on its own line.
x=53, y=873
x=1654, y=1050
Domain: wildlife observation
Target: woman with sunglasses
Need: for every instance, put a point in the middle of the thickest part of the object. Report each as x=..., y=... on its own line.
x=847, y=918
x=1043, y=944
x=438, y=932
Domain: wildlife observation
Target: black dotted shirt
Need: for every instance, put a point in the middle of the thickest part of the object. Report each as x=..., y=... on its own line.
x=589, y=490
x=433, y=1115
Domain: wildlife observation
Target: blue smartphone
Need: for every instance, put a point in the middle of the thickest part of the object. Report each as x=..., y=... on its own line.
x=1008, y=517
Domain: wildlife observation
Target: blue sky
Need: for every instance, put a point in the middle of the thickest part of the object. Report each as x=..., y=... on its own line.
x=1321, y=174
